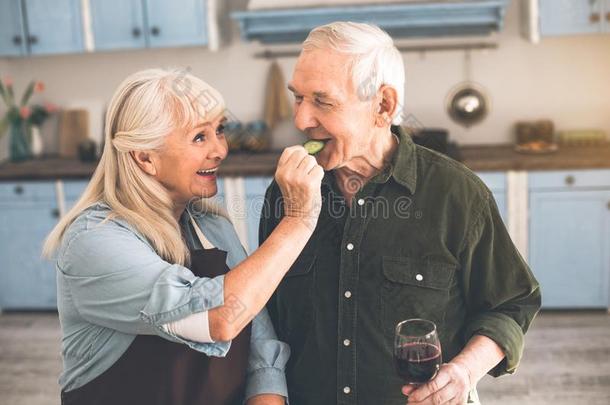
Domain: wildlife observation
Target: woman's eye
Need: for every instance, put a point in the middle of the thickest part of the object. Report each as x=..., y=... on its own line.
x=220, y=129
x=200, y=137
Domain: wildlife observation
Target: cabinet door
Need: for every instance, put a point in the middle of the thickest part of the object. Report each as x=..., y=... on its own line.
x=54, y=26
x=606, y=17
x=118, y=24
x=496, y=182
x=12, y=35
x=255, y=188
x=570, y=247
x=176, y=23
x=566, y=17
x=26, y=280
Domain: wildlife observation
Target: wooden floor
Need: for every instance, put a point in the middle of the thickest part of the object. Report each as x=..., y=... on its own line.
x=566, y=361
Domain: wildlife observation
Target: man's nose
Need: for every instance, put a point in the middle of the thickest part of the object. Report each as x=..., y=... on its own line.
x=304, y=117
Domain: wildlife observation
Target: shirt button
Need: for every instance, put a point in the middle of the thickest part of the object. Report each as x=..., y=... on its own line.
x=348, y=294
x=361, y=201
x=347, y=390
x=350, y=246
x=346, y=342
x=419, y=277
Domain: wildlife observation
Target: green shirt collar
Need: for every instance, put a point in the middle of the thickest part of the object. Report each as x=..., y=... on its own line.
x=404, y=163
x=403, y=166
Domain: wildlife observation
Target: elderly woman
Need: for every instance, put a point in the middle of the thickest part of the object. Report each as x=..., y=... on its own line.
x=157, y=300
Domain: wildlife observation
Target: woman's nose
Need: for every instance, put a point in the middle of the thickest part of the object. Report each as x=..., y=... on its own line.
x=219, y=149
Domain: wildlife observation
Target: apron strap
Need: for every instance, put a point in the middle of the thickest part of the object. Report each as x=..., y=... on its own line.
x=202, y=239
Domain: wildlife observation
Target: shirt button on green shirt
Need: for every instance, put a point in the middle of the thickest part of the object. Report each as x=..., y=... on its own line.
x=423, y=240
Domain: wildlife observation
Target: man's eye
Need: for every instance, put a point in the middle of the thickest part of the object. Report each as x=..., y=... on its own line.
x=220, y=129
x=322, y=103
x=298, y=99
x=200, y=137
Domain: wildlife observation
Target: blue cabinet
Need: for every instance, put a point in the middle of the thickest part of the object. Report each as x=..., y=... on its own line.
x=176, y=23
x=12, y=33
x=496, y=182
x=118, y=24
x=568, y=17
x=570, y=237
x=54, y=27
x=28, y=213
x=255, y=188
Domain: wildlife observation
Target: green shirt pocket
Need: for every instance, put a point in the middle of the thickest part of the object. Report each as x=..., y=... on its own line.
x=415, y=288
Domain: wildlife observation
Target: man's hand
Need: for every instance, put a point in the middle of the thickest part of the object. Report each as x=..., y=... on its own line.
x=450, y=386
x=266, y=399
x=456, y=378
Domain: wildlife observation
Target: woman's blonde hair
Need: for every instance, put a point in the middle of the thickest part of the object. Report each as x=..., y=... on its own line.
x=145, y=108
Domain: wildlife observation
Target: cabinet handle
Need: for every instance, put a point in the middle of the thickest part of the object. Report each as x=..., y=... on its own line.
x=570, y=180
x=595, y=18
x=33, y=39
x=55, y=213
x=136, y=32
x=608, y=16
x=18, y=190
x=155, y=31
x=17, y=40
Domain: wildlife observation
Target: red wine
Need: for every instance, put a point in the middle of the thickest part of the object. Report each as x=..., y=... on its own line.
x=417, y=363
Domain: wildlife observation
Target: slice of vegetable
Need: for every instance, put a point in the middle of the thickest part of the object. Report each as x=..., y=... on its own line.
x=312, y=147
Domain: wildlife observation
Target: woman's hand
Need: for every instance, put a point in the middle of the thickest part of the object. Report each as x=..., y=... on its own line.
x=299, y=177
x=450, y=386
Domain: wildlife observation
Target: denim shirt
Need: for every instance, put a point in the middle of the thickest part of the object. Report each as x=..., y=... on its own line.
x=112, y=286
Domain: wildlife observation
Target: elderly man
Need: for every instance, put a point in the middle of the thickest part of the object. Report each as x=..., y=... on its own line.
x=404, y=233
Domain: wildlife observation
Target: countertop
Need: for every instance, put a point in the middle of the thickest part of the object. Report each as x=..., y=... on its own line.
x=476, y=157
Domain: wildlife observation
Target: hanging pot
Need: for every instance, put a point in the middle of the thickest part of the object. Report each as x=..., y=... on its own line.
x=467, y=104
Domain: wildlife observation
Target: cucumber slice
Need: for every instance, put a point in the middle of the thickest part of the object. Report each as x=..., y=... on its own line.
x=312, y=147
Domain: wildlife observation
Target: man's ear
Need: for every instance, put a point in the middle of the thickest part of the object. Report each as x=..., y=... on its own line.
x=387, y=104
x=145, y=161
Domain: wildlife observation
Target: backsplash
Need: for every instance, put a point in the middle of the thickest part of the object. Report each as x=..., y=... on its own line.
x=562, y=79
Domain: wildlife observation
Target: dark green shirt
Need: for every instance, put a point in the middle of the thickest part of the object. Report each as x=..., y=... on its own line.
x=423, y=239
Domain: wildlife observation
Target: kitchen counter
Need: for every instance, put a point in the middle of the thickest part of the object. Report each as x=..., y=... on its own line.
x=477, y=158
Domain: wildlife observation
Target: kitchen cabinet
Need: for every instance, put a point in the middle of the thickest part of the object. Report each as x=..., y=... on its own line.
x=54, y=26
x=176, y=23
x=12, y=30
x=28, y=212
x=255, y=188
x=570, y=237
x=129, y=24
x=118, y=24
x=568, y=17
x=496, y=182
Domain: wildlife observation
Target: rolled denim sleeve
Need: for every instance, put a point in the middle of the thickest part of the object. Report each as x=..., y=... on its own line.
x=502, y=295
x=267, y=361
x=116, y=280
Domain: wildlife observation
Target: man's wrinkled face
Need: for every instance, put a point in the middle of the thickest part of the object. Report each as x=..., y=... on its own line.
x=327, y=106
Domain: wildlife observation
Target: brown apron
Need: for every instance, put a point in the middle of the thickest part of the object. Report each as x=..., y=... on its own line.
x=155, y=371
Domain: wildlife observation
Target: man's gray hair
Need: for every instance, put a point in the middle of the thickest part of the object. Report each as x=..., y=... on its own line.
x=376, y=61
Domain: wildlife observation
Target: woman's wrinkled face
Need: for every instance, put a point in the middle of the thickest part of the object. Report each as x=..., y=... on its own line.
x=186, y=165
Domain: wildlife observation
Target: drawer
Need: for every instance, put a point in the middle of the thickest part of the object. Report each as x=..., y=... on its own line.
x=27, y=191
x=73, y=189
x=495, y=181
x=569, y=179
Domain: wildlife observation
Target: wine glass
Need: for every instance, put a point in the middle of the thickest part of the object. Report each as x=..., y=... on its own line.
x=417, y=351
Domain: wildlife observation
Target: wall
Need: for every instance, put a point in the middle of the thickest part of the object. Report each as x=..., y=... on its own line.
x=564, y=79
x=4, y=71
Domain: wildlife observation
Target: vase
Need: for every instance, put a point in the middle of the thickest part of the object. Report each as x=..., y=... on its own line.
x=19, y=141
x=36, y=145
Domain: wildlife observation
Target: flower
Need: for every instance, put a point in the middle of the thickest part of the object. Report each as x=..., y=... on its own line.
x=50, y=107
x=25, y=112
x=8, y=81
x=39, y=87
